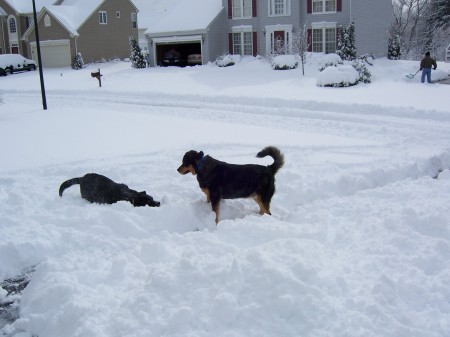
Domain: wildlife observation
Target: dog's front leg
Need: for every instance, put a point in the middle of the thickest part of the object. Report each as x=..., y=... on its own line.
x=206, y=191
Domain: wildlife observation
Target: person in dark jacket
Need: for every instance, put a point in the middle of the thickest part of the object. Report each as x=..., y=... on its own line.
x=425, y=65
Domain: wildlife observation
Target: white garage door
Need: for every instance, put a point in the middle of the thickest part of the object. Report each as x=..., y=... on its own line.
x=54, y=54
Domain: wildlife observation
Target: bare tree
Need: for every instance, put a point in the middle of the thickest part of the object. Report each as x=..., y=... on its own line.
x=421, y=25
x=301, y=45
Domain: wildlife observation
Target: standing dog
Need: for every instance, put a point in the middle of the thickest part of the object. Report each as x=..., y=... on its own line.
x=220, y=180
x=102, y=190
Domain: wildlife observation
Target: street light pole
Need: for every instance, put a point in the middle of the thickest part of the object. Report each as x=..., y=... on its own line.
x=38, y=47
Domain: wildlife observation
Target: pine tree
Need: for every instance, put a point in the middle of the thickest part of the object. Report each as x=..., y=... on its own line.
x=78, y=62
x=346, y=48
x=137, y=58
x=394, y=48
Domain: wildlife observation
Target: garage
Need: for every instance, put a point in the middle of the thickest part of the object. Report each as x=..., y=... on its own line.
x=183, y=45
x=54, y=54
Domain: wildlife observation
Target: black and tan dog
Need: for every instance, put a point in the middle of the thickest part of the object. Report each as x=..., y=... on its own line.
x=220, y=180
x=102, y=190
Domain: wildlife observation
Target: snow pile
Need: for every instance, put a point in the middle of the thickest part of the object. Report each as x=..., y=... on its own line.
x=228, y=60
x=358, y=242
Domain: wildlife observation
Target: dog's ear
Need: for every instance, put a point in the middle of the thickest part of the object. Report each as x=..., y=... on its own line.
x=200, y=155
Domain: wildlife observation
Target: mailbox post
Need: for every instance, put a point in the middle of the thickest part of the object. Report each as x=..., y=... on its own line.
x=98, y=76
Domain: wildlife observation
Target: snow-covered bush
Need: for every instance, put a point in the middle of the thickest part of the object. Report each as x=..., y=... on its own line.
x=78, y=63
x=284, y=62
x=340, y=76
x=329, y=60
x=364, y=74
x=228, y=60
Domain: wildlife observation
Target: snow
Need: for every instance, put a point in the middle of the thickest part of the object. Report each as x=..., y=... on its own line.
x=169, y=16
x=358, y=242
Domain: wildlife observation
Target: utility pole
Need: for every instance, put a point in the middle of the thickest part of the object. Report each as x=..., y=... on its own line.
x=38, y=47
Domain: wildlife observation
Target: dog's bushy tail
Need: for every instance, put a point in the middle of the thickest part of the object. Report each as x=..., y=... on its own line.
x=275, y=153
x=67, y=184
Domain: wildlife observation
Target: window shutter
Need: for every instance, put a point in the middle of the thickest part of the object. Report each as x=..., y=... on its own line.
x=230, y=9
x=310, y=40
x=255, y=45
x=254, y=8
x=309, y=6
x=230, y=43
x=339, y=5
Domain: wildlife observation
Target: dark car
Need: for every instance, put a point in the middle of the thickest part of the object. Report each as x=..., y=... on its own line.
x=172, y=58
x=10, y=63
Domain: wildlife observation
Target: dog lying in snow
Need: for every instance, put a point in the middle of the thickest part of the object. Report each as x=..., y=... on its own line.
x=102, y=190
x=220, y=180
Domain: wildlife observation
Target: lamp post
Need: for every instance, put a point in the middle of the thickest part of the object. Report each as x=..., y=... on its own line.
x=38, y=47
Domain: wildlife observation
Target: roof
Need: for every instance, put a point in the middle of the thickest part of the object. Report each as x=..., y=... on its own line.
x=174, y=16
x=26, y=6
x=73, y=13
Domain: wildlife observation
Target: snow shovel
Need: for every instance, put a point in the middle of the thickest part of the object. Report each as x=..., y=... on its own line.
x=411, y=76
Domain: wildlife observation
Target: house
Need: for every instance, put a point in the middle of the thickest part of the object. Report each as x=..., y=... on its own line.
x=269, y=26
x=15, y=18
x=188, y=26
x=264, y=27
x=98, y=29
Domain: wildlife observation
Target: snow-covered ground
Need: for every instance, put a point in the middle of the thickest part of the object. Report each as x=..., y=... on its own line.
x=358, y=243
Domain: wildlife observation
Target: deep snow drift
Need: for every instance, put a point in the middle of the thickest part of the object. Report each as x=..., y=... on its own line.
x=358, y=243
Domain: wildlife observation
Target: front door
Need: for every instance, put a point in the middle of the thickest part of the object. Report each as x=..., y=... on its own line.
x=278, y=42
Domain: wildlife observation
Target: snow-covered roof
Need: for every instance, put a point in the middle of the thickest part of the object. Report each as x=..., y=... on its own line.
x=73, y=13
x=169, y=16
x=26, y=6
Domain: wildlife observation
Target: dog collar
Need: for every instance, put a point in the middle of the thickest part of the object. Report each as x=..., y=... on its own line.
x=200, y=164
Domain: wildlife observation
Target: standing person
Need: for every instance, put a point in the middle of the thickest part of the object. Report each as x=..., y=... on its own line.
x=425, y=65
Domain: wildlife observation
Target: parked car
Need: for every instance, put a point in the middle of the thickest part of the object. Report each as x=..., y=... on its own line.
x=10, y=63
x=172, y=58
x=194, y=59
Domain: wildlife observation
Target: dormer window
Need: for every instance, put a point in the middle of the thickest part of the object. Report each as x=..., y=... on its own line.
x=118, y=15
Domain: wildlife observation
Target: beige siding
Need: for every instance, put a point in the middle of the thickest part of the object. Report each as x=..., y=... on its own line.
x=98, y=41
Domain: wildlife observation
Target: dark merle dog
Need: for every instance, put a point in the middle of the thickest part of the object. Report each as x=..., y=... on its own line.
x=220, y=180
x=102, y=190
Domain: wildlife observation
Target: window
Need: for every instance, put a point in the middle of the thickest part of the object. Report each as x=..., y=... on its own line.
x=323, y=6
x=12, y=25
x=243, y=43
x=118, y=15
x=279, y=7
x=134, y=24
x=103, y=19
x=324, y=40
x=47, y=21
x=242, y=9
